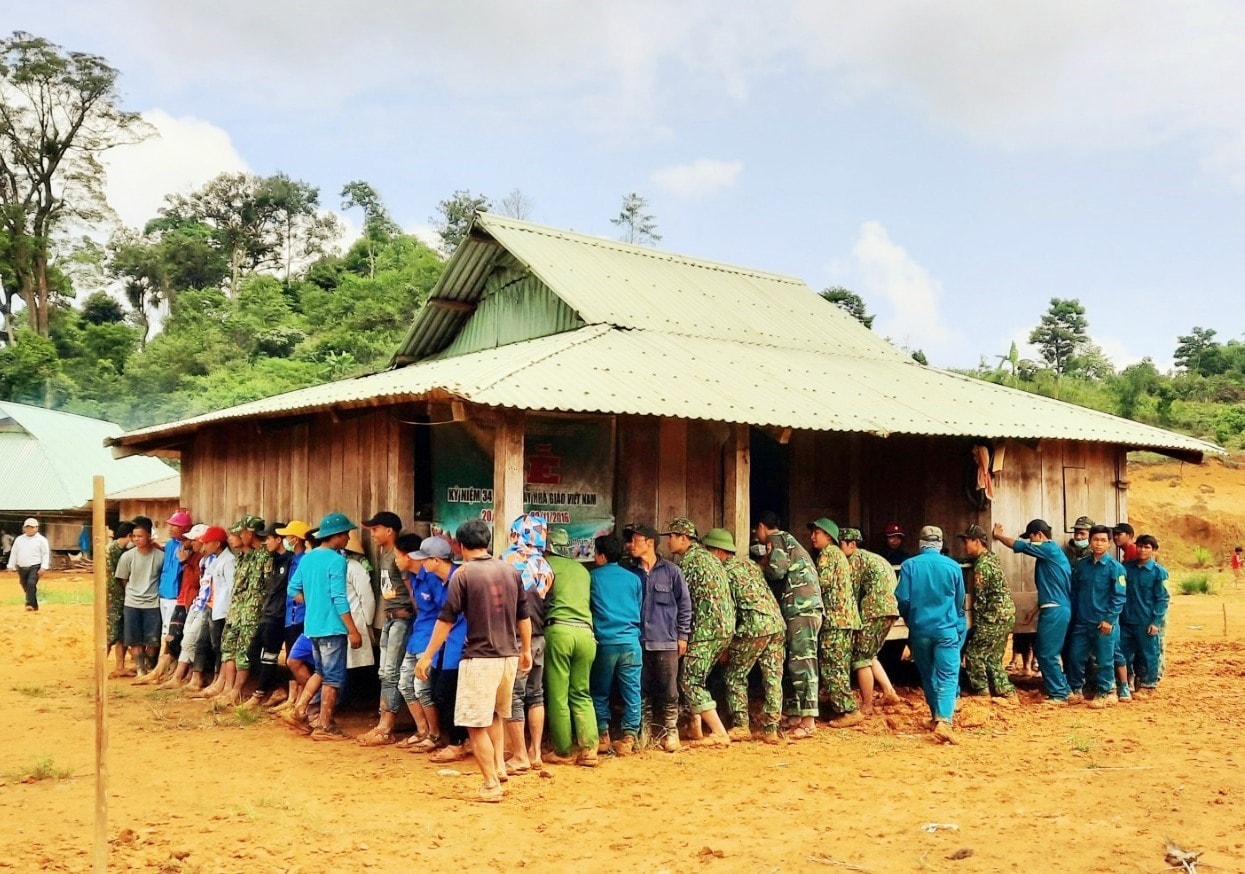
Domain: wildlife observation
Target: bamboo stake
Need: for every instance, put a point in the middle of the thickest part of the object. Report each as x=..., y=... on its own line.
x=99, y=563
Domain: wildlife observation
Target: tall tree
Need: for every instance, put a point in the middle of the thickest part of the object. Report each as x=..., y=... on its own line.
x=302, y=231
x=1198, y=352
x=850, y=302
x=1061, y=334
x=454, y=215
x=378, y=227
x=638, y=225
x=59, y=114
x=516, y=204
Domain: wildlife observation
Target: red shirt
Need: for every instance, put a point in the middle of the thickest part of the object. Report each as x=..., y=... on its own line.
x=190, y=582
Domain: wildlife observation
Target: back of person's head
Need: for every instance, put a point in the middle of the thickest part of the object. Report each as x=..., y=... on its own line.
x=407, y=543
x=474, y=534
x=124, y=529
x=769, y=519
x=1148, y=540
x=610, y=546
x=142, y=523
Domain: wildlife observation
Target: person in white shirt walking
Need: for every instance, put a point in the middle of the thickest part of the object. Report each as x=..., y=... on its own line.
x=29, y=556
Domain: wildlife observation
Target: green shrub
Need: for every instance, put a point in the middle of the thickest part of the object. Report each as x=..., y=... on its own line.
x=1197, y=585
x=1202, y=556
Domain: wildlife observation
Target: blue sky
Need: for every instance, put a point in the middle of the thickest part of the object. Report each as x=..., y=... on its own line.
x=958, y=164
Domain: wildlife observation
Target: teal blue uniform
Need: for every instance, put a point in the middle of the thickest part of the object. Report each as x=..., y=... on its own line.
x=1145, y=604
x=1101, y=588
x=931, y=601
x=1053, y=577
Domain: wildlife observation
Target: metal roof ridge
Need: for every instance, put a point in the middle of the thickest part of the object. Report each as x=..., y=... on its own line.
x=762, y=344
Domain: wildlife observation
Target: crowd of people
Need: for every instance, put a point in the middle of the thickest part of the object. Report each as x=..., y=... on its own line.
x=490, y=649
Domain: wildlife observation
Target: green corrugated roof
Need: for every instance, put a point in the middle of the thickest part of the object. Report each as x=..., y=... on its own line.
x=48, y=460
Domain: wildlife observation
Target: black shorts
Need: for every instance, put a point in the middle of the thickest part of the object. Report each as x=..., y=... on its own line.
x=142, y=626
x=292, y=634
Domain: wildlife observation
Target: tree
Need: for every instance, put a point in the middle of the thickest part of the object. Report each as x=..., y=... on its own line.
x=59, y=114
x=1061, y=334
x=1011, y=359
x=850, y=302
x=637, y=225
x=516, y=204
x=454, y=215
x=1090, y=362
x=1199, y=353
x=1135, y=382
x=378, y=227
x=919, y=357
x=100, y=309
x=301, y=230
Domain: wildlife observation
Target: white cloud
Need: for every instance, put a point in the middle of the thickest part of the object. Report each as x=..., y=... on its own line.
x=912, y=297
x=700, y=178
x=185, y=153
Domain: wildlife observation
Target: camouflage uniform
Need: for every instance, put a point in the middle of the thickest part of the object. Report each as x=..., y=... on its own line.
x=790, y=571
x=759, y=635
x=874, y=581
x=713, y=619
x=116, y=595
x=842, y=619
x=994, y=615
x=245, y=606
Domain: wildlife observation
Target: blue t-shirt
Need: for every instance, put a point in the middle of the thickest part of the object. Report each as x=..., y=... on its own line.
x=294, y=612
x=429, y=597
x=321, y=578
x=1053, y=573
x=616, y=597
x=171, y=570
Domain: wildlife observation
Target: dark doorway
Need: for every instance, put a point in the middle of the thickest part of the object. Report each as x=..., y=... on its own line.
x=770, y=484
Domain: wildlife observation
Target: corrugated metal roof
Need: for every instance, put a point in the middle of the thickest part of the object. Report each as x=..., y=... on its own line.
x=610, y=370
x=613, y=283
x=48, y=459
x=169, y=487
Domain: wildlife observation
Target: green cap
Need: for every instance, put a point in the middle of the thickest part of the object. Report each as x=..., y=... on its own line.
x=247, y=522
x=1083, y=522
x=681, y=525
x=334, y=523
x=975, y=532
x=850, y=534
x=719, y=538
x=560, y=542
x=827, y=526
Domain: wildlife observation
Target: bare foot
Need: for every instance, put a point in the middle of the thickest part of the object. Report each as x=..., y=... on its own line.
x=277, y=698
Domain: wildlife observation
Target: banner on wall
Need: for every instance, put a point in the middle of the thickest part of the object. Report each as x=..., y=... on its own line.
x=568, y=475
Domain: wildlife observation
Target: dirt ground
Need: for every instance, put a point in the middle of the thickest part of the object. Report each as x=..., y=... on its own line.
x=1027, y=789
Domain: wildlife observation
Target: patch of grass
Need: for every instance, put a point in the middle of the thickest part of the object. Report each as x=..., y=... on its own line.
x=43, y=769
x=1202, y=556
x=52, y=596
x=245, y=717
x=1080, y=743
x=1198, y=584
x=31, y=691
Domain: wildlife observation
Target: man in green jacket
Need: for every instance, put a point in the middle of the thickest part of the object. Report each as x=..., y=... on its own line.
x=570, y=648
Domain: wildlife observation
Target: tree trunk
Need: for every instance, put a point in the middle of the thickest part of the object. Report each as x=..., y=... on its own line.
x=43, y=293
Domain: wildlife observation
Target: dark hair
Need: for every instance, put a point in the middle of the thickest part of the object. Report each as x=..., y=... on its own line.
x=769, y=519
x=1100, y=529
x=610, y=546
x=1150, y=540
x=408, y=543
x=143, y=523
x=125, y=529
x=474, y=534
x=1123, y=528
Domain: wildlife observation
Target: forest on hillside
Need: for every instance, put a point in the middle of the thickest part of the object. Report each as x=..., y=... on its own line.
x=242, y=289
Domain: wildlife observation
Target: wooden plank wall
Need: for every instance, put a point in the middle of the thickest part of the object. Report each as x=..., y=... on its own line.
x=302, y=469
x=668, y=468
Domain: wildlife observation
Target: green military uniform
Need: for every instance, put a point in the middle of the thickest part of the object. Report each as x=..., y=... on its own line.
x=246, y=604
x=994, y=615
x=116, y=595
x=873, y=578
x=713, y=618
x=759, y=635
x=842, y=621
x=790, y=571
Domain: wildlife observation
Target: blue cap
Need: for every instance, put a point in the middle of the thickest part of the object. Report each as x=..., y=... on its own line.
x=334, y=523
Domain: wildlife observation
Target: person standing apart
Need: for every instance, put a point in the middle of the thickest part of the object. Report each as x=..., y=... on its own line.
x=1052, y=575
x=931, y=601
x=29, y=556
x=139, y=569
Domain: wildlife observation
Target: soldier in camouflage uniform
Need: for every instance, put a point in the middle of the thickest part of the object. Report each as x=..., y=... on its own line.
x=994, y=615
x=713, y=627
x=874, y=581
x=834, y=648
x=759, y=636
x=245, y=606
x=116, y=598
x=1078, y=545
x=789, y=569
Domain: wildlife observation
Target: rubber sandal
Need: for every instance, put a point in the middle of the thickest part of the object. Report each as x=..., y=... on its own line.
x=407, y=742
x=375, y=739
x=802, y=733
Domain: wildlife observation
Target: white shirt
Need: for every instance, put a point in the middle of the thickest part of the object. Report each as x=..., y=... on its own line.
x=221, y=575
x=30, y=550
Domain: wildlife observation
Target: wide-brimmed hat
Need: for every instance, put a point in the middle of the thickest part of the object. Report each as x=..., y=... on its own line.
x=719, y=538
x=560, y=542
x=334, y=523
x=827, y=526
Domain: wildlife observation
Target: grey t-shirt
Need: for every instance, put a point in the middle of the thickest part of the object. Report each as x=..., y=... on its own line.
x=392, y=586
x=142, y=577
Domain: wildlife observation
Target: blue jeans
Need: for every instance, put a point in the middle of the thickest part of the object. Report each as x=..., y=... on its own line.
x=330, y=656
x=1141, y=652
x=1086, y=639
x=1052, y=629
x=617, y=665
x=937, y=657
x=393, y=639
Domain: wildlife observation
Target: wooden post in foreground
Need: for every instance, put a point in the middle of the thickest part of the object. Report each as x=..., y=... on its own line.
x=507, y=475
x=99, y=564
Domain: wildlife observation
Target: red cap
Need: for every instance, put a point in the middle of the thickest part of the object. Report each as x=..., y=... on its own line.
x=893, y=530
x=215, y=533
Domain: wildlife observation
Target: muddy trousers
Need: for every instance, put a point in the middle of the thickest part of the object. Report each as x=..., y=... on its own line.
x=800, y=680
x=937, y=658
x=834, y=654
x=766, y=653
x=659, y=685
x=1052, y=629
x=569, y=715
x=983, y=658
x=617, y=667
